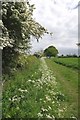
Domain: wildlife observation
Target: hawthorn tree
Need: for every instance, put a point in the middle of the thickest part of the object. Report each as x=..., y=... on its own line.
x=18, y=26
x=51, y=51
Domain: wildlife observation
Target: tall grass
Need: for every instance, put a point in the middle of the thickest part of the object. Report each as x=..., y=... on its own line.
x=17, y=101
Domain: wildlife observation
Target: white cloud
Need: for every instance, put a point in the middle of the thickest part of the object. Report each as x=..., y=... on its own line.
x=59, y=17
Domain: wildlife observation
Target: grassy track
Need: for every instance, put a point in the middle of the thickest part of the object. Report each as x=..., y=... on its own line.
x=68, y=83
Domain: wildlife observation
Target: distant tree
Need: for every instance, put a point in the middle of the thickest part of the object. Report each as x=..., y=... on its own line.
x=62, y=55
x=51, y=51
x=74, y=55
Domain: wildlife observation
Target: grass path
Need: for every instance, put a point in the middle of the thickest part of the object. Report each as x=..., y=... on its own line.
x=63, y=103
x=68, y=83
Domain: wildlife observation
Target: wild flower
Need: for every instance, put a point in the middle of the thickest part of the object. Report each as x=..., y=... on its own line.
x=61, y=110
x=15, y=98
x=22, y=96
x=49, y=107
x=74, y=117
x=64, y=108
x=53, y=116
x=48, y=116
x=44, y=110
x=40, y=99
x=9, y=99
x=53, y=102
x=41, y=87
x=44, y=101
x=40, y=115
x=48, y=98
x=29, y=80
x=33, y=81
x=21, y=90
x=17, y=108
x=59, y=114
x=8, y=116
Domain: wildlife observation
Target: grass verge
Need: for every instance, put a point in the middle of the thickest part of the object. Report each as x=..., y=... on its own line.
x=17, y=101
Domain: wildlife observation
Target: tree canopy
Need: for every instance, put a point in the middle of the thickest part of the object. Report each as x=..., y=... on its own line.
x=18, y=25
x=51, y=51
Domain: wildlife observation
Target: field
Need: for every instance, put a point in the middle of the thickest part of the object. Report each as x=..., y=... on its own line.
x=42, y=89
x=69, y=62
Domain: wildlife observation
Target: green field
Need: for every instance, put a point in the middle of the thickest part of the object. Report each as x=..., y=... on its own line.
x=42, y=89
x=69, y=62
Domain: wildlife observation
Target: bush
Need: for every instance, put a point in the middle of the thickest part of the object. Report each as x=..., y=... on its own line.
x=51, y=51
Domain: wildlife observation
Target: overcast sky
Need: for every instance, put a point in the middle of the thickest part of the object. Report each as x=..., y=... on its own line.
x=61, y=18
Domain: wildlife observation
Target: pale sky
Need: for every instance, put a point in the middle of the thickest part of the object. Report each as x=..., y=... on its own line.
x=61, y=18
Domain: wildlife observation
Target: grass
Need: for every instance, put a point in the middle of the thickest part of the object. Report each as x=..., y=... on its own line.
x=39, y=92
x=68, y=62
x=32, y=93
x=68, y=83
x=17, y=103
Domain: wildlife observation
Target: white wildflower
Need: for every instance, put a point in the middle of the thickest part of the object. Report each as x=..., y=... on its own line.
x=15, y=98
x=9, y=99
x=22, y=96
x=43, y=109
x=40, y=115
x=49, y=107
x=48, y=98
x=17, y=108
x=61, y=110
x=48, y=116
x=53, y=102
x=40, y=99
x=53, y=116
x=44, y=101
x=29, y=80
x=21, y=90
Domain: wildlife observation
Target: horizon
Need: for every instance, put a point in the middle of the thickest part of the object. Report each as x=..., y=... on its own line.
x=62, y=51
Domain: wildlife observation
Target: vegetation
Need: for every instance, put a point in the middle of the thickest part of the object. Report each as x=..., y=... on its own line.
x=69, y=56
x=34, y=86
x=16, y=103
x=39, y=54
x=18, y=26
x=69, y=62
x=68, y=83
x=17, y=18
x=51, y=51
x=40, y=91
